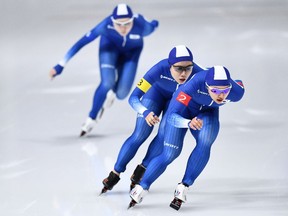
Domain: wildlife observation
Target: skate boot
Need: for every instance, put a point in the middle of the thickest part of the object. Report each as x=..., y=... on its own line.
x=110, y=98
x=179, y=196
x=110, y=182
x=87, y=126
x=137, y=194
x=137, y=175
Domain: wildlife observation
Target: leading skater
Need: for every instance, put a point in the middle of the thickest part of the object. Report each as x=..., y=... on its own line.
x=195, y=105
x=120, y=47
x=149, y=99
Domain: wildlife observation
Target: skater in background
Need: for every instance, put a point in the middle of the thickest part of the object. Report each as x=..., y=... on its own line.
x=120, y=47
x=149, y=99
x=195, y=105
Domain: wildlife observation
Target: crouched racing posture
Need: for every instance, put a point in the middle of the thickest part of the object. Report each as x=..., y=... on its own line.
x=195, y=105
x=149, y=99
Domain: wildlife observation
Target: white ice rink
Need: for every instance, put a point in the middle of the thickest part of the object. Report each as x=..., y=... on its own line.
x=47, y=170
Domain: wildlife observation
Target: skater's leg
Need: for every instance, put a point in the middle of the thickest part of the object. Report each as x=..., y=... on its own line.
x=172, y=146
x=126, y=74
x=108, y=57
x=199, y=156
x=171, y=150
x=204, y=140
x=140, y=134
x=108, y=80
x=156, y=146
x=132, y=144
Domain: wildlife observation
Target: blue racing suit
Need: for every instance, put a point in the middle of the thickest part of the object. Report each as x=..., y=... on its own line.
x=152, y=94
x=190, y=100
x=118, y=57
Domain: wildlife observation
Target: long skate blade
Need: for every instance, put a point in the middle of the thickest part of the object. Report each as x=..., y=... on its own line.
x=104, y=190
x=131, y=204
x=101, y=113
x=82, y=133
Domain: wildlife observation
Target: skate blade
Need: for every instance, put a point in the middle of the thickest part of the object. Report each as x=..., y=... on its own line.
x=104, y=190
x=101, y=113
x=82, y=133
x=131, y=204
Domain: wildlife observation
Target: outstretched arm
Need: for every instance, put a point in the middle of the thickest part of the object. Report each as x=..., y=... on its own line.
x=148, y=26
x=86, y=39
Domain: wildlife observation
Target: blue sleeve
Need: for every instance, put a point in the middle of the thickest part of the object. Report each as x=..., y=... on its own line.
x=178, y=121
x=143, y=86
x=148, y=27
x=135, y=102
x=87, y=38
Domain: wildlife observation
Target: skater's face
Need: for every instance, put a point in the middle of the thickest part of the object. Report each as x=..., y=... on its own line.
x=123, y=26
x=218, y=93
x=180, y=71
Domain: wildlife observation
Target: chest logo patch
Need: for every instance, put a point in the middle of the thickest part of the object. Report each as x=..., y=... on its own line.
x=134, y=36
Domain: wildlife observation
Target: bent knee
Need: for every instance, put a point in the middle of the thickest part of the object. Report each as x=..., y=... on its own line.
x=122, y=94
x=107, y=85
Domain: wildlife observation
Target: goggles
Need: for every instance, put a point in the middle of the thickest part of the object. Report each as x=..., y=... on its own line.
x=219, y=91
x=125, y=23
x=180, y=69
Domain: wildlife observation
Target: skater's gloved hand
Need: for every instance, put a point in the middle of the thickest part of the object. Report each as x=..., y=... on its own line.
x=55, y=71
x=196, y=123
x=155, y=23
x=152, y=119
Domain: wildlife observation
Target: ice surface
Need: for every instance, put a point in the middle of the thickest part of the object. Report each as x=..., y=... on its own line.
x=46, y=169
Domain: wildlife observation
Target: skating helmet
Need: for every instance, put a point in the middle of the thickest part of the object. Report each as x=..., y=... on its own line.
x=218, y=76
x=180, y=53
x=122, y=11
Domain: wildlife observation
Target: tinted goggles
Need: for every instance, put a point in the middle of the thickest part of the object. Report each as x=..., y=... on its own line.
x=219, y=91
x=180, y=69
